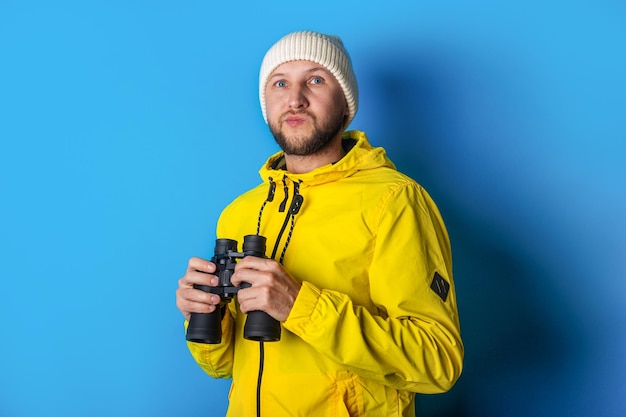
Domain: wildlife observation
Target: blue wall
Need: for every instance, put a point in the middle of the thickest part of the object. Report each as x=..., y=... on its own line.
x=126, y=126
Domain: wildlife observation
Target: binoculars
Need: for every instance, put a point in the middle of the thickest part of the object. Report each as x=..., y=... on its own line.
x=207, y=327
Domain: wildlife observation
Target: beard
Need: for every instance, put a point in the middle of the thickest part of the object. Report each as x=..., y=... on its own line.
x=301, y=145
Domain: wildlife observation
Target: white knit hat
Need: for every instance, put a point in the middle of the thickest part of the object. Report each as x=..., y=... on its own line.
x=325, y=50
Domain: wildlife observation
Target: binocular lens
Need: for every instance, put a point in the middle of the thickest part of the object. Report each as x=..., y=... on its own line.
x=205, y=328
x=261, y=327
x=254, y=245
x=222, y=246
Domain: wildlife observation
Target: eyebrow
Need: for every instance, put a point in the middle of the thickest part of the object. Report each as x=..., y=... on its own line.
x=311, y=70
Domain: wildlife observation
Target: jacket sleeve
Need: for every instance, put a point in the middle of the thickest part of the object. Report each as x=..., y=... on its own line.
x=413, y=341
x=216, y=360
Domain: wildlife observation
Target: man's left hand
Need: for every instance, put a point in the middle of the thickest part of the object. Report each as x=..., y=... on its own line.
x=272, y=290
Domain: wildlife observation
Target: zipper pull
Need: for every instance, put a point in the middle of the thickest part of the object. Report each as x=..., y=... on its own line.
x=297, y=201
x=283, y=204
x=272, y=191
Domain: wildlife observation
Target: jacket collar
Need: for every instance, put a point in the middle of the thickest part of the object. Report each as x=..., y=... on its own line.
x=360, y=155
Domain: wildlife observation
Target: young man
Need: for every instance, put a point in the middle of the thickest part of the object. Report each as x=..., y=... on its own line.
x=359, y=268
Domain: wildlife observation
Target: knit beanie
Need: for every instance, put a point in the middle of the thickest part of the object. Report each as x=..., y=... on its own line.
x=326, y=50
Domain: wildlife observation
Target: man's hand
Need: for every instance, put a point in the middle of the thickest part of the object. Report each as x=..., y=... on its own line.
x=190, y=300
x=273, y=290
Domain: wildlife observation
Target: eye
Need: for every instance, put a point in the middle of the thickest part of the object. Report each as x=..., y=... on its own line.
x=280, y=84
x=317, y=80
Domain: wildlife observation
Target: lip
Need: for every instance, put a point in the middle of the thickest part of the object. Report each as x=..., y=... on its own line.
x=295, y=120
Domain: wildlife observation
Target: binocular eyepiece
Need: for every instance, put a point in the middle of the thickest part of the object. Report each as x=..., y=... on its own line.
x=207, y=327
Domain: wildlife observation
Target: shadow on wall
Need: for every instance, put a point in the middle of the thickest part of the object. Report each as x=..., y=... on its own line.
x=422, y=115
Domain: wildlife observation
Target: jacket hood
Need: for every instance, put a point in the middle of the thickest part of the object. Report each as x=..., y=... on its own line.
x=360, y=155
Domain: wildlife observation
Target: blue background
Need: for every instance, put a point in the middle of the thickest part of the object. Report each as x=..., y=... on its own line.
x=125, y=127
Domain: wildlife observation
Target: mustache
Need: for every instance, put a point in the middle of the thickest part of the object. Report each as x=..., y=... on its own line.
x=288, y=113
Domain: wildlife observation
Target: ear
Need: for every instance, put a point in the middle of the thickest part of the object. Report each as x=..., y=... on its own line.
x=345, y=120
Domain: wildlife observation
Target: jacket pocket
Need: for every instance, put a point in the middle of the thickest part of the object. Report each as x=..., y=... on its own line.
x=349, y=396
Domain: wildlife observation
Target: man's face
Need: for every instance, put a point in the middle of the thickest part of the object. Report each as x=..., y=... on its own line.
x=305, y=106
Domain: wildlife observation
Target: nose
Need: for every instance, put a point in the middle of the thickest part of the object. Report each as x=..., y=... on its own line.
x=297, y=97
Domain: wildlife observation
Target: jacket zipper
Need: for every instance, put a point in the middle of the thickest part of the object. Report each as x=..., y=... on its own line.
x=294, y=208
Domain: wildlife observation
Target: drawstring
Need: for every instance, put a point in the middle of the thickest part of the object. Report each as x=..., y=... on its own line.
x=296, y=203
x=269, y=198
x=294, y=208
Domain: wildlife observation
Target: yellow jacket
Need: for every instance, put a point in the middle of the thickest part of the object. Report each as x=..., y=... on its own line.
x=376, y=319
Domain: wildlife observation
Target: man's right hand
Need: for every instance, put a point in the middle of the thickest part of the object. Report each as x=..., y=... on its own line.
x=190, y=300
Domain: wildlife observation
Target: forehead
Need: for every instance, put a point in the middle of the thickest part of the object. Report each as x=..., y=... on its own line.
x=300, y=67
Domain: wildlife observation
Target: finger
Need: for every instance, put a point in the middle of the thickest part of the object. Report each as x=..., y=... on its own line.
x=196, y=277
x=254, y=270
x=262, y=300
x=259, y=264
x=253, y=296
x=199, y=264
x=189, y=301
x=193, y=295
x=188, y=307
x=251, y=276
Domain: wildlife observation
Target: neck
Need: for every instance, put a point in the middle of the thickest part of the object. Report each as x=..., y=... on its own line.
x=301, y=164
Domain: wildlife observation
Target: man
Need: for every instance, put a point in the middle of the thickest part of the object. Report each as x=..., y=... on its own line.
x=359, y=269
